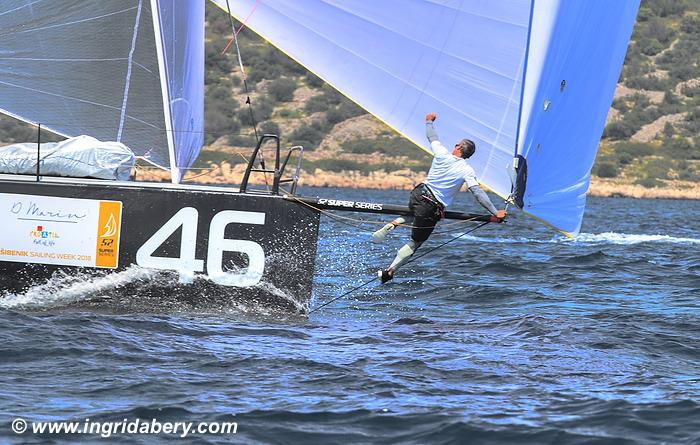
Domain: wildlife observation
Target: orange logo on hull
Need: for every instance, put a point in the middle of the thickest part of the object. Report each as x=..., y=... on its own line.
x=108, y=229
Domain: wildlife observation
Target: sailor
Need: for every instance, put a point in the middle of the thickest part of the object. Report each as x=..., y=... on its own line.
x=428, y=200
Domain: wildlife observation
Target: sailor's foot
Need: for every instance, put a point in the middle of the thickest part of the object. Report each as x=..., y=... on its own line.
x=381, y=234
x=385, y=275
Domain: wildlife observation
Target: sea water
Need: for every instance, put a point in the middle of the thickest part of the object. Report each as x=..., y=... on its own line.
x=511, y=334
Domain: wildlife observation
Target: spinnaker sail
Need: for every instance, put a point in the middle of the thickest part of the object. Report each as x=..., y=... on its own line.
x=533, y=78
x=95, y=67
x=576, y=53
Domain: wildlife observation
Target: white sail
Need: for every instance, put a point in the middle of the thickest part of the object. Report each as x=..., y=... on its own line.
x=483, y=66
x=91, y=67
x=402, y=59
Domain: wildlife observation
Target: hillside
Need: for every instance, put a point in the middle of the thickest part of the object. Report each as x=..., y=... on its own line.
x=652, y=137
x=650, y=147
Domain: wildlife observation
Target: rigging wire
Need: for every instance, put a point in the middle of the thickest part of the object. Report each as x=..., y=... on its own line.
x=408, y=262
x=245, y=82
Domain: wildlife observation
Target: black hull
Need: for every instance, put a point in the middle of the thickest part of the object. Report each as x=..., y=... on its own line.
x=252, y=230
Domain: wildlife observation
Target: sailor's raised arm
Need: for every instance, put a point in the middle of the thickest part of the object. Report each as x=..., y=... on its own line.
x=435, y=145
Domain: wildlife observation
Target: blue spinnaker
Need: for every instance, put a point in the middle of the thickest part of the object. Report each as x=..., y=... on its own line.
x=577, y=50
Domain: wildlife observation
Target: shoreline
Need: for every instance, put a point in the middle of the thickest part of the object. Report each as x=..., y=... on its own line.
x=406, y=180
x=603, y=188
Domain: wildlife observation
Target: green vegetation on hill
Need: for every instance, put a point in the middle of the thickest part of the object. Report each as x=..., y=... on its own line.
x=653, y=134
x=656, y=134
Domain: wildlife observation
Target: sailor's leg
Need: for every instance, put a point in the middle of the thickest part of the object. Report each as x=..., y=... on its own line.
x=423, y=226
x=424, y=222
x=404, y=254
x=380, y=235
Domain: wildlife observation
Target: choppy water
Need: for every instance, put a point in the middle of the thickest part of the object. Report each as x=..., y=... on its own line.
x=513, y=335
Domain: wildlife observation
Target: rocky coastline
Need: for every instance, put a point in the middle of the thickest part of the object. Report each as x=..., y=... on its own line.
x=224, y=173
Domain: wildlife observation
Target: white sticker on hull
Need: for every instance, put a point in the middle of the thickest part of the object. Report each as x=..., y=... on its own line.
x=61, y=231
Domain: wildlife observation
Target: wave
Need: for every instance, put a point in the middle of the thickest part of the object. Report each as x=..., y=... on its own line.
x=413, y=320
x=64, y=289
x=615, y=423
x=503, y=268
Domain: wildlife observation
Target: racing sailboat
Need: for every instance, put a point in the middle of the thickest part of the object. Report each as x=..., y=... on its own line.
x=530, y=81
x=132, y=72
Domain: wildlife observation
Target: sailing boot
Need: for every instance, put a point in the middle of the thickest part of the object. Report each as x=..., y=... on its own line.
x=402, y=256
x=380, y=235
x=385, y=275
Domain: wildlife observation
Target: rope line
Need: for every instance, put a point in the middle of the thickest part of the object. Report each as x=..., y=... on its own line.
x=203, y=170
x=204, y=173
x=408, y=262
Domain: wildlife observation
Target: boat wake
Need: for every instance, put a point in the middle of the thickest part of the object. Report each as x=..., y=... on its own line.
x=623, y=238
x=64, y=289
x=592, y=239
x=137, y=289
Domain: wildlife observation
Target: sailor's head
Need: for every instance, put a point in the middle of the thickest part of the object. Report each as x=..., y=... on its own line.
x=464, y=149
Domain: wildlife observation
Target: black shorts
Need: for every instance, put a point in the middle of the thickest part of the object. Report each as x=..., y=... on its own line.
x=427, y=211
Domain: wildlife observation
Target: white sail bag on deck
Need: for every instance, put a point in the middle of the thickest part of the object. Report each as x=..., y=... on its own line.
x=79, y=157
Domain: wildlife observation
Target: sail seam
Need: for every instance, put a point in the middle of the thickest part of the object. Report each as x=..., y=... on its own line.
x=69, y=23
x=143, y=67
x=63, y=96
x=109, y=107
x=45, y=59
x=130, y=62
x=19, y=7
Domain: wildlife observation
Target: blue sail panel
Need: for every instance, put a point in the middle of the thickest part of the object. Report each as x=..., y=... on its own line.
x=576, y=53
x=182, y=32
x=401, y=59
